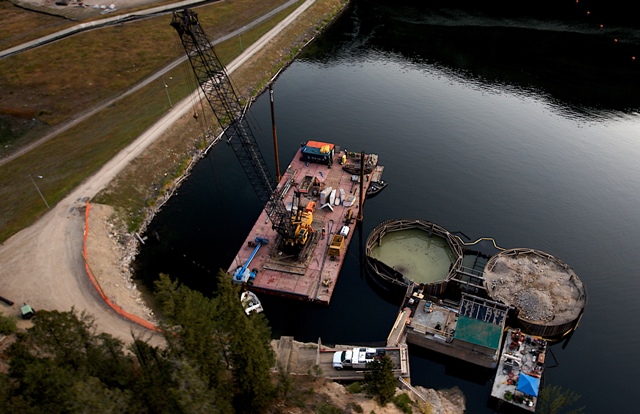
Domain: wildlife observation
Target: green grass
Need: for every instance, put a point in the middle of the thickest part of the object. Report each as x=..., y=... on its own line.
x=56, y=81
x=66, y=160
x=72, y=156
x=19, y=25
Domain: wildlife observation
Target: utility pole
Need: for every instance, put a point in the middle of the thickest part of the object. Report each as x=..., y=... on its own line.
x=37, y=189
x=166, y=88
x=275, y=136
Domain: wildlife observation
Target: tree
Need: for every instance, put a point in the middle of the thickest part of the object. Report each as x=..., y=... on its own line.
x=191, y=392
x=216, y=335
x=217, y=360
x=62, y=336
x=153, y=380
x=249, y=350
x=553, y=399
x=379, y=380
x=165, y=384
x=93, y=396
x=194, y=334
x=50, y=361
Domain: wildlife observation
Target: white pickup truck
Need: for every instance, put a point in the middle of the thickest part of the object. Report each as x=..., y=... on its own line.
x=356, y=357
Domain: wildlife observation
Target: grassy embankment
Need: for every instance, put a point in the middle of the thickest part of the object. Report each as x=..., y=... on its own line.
x=171, y=154
x=31, y=21
x=18, y=26
x=74, y=74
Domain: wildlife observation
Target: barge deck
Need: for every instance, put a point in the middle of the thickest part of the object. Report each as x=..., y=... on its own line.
x=311, y=274
x=517, y=379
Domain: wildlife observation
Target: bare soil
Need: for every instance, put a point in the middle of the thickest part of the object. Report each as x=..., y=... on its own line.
x=303, y=358
x=449, y=401
x=109, y=256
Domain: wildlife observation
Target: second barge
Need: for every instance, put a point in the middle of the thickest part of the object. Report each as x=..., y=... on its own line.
x=322, y=202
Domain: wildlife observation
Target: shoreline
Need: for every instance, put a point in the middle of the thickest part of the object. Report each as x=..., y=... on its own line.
x=129, y=242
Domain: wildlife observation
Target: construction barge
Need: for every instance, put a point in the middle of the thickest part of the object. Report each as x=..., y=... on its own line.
x=499, y=311
x=322, y=194
x=518, y=377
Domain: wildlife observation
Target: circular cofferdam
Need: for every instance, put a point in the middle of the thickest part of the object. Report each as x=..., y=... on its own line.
x=399, y=252
x=547, y=294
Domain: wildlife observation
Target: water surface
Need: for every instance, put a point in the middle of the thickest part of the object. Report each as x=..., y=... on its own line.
x=419, y=257
x=521, y=126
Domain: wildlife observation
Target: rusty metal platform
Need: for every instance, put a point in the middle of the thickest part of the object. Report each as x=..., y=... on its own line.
x=314, y=277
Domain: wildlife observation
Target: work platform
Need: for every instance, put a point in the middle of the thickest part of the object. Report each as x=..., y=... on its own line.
x=399, y=356
x=302, y=358
x=470, y=331
x=517, y=379
x=312, y=274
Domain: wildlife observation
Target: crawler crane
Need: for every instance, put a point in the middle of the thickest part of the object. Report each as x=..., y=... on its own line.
x=213, y=79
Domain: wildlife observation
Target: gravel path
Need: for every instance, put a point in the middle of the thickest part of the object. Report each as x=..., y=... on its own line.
x=43, y=265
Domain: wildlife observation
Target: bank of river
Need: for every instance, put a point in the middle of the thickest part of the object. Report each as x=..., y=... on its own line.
x=253, y=75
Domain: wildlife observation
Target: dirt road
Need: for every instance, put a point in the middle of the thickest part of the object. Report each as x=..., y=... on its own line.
x=43, y=264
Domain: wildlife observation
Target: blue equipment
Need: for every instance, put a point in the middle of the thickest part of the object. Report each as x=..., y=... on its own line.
x=243, y=274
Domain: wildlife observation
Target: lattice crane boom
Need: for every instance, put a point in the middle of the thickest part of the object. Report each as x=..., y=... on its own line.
x=218, y=90
x=216, y=85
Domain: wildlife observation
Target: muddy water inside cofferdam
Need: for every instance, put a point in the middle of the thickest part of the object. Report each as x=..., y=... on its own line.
x=419, y=257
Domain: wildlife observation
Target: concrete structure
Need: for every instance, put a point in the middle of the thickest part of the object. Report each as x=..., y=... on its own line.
x=399, y=357
x=472, y=331
x=548, y=297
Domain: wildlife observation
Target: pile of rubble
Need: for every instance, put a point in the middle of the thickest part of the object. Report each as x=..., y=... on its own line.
x=535, y=305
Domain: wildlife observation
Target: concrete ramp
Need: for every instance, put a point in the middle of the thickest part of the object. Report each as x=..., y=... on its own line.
x=285, y=344
x=396, y=336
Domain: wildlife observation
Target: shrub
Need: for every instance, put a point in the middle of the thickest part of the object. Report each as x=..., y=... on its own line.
x=403, y=402
x=315, y=371
x=328, y=408
x=7, y=325
x=355, y=388
x=357, y=408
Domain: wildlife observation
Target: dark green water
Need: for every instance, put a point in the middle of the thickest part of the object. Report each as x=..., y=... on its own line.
x=514, y=123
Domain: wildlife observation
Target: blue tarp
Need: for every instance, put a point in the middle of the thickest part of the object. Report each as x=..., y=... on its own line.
x=528, y=384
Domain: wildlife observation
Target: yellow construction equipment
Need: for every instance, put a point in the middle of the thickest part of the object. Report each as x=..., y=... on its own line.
x=302, y=221
x=335, y=248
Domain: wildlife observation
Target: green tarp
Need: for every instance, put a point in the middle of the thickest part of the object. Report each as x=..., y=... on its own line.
x=478, y=332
